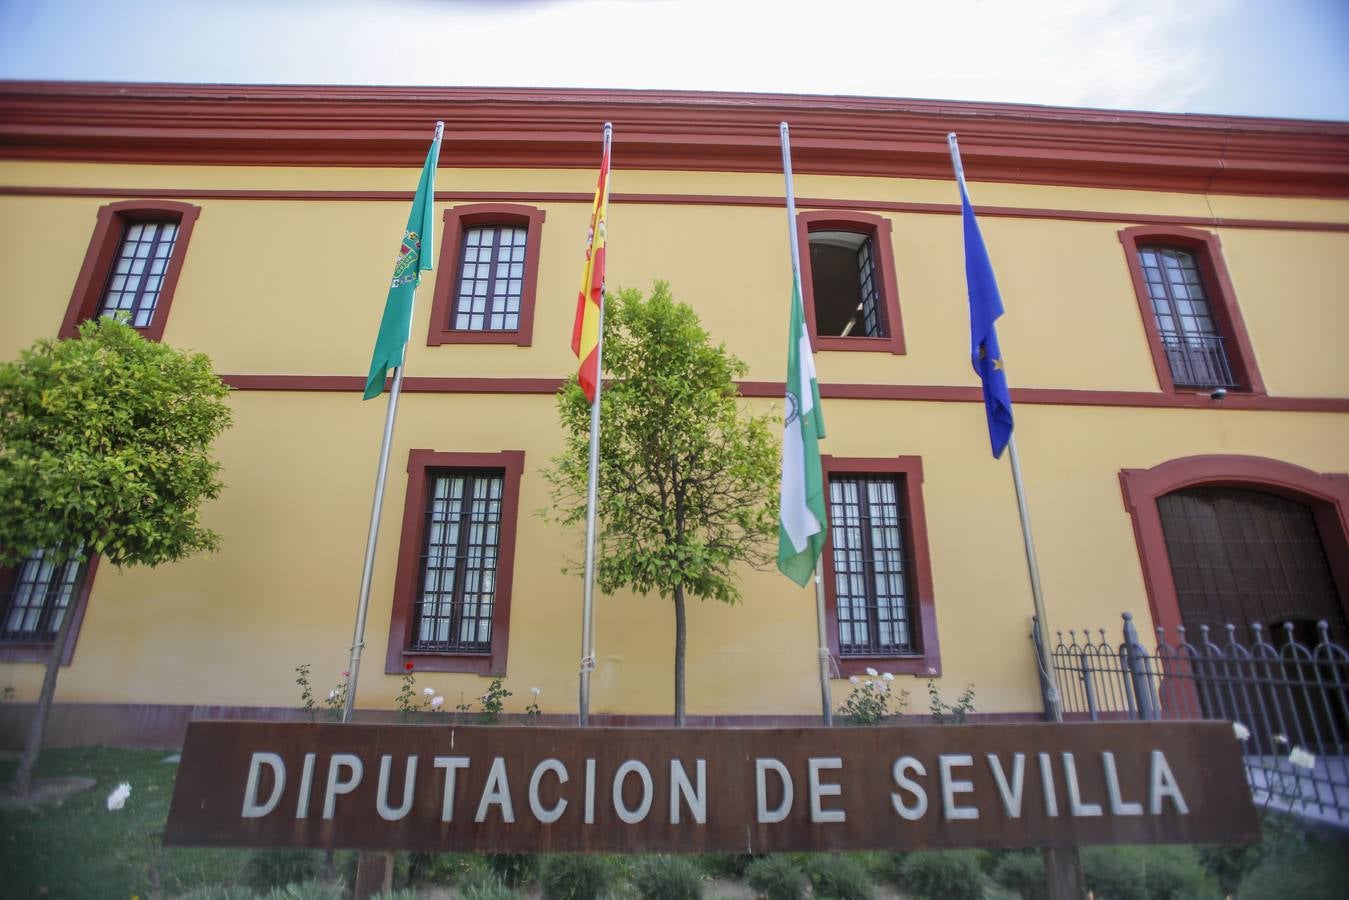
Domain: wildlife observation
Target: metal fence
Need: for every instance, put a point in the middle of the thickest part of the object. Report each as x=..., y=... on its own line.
x=1290, y=700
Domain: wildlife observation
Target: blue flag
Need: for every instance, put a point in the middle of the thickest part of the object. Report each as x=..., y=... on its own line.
x=985, y=307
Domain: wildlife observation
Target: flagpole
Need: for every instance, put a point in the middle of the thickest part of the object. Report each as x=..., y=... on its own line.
x=1055, y=709
x=592, y=496
x=372, y=535
x=826, y=704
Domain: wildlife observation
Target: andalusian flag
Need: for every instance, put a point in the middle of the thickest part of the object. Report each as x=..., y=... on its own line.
x=414, y=255
x=802, y=530
x=585, y=332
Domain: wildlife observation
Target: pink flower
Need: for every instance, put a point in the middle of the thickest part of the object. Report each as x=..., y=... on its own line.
x=346, y=674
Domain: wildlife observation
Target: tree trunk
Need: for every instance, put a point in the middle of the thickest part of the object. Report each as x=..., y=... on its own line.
x=23, y=779
x=681, y=629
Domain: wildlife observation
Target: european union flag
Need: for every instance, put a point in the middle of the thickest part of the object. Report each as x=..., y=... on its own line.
x=985, y=307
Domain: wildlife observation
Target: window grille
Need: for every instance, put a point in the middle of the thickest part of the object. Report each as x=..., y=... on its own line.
x=491, y=278
x=870, y=567
x=1194, y=348
x=39, y=598
x=138, y=273
x=459, y=563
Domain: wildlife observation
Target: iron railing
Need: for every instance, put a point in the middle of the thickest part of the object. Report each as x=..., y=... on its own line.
x=1197, y=360
x=1290, y=700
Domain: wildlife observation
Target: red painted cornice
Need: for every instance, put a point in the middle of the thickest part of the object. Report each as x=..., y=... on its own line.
x=510, y=127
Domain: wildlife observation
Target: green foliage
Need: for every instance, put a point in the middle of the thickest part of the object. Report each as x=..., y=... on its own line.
x=949, y=713
x=869, y=700
x=219, y=892
x=406, y=701
x=105, y=447
x=514, y=869
x=307, y=890
x=484, y=885
x=727, y=865
x=79, y=849
x=839, y=877
x=447, y=868
x=1024, y=873
x=777, y=878
x=1147, y=873
x=943, y=874
x=1229, y=864
x=274, y=868
x=687, y=478
x=666, y=877
x=567, y=876
x=1308, y=866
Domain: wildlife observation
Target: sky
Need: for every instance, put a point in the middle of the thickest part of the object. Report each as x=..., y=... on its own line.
x=1281, y=58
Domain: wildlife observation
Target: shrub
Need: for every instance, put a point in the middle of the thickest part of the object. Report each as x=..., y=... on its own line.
x=839, y=878
x=483, y=884
x=943, y=874
x=667, y=878
x=576, y=877
x=267, y=869
x=727, y=865
x=307, y=890
x=880, y=867
x=1309, y=868
x=450, y=868
x=219, y=892
x=1146, y=873
x=514, y=869
x=1024, y=873
x=776, y=878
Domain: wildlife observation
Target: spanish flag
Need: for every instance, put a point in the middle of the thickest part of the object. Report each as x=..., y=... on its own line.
x=585, y=332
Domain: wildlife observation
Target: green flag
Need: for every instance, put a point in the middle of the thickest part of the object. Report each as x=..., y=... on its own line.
x=802, y=528
x=414, y=255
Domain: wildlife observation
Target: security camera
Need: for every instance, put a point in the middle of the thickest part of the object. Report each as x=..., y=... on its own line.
x=1218, y=394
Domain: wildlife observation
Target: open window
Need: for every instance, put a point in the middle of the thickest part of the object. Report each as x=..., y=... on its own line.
x=848, y=282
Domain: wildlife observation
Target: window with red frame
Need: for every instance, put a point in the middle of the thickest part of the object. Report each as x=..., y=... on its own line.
x=489, y=271
x=36, y=596
x=876, y=568
x=848, y=281
x=132, y=266
x=451, y=609
x=1189, y=309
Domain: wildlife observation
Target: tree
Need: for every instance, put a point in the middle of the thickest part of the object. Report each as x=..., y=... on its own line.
x=687, y=477
x=104, y=449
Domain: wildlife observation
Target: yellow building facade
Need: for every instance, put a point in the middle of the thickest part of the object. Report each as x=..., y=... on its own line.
x=1177, y=324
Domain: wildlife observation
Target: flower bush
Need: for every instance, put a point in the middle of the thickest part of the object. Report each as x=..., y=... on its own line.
x=869, y=700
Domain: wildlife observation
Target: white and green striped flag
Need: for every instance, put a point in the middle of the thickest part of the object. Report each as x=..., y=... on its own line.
x=802, y=527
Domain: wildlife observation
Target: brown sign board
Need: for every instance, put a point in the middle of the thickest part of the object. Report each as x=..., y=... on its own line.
x=537, y=789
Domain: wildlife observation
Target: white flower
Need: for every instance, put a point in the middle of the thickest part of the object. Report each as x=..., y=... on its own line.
x=437, y=702
x=1301, y=758
x=854, y=680
x=430, y=692
x=1280, y=739
x=332, y=695
x=117, y=799
x=535, y=691
x=1242, y=732
x=868, y=682
x=872, y=672
x=888, y=677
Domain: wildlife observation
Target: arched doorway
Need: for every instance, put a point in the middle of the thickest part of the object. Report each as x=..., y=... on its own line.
x=1244, y=556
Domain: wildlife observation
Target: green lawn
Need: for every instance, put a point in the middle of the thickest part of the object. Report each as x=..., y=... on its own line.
x=78, y=848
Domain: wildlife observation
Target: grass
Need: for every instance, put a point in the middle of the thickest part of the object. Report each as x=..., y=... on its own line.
x=79, y=849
